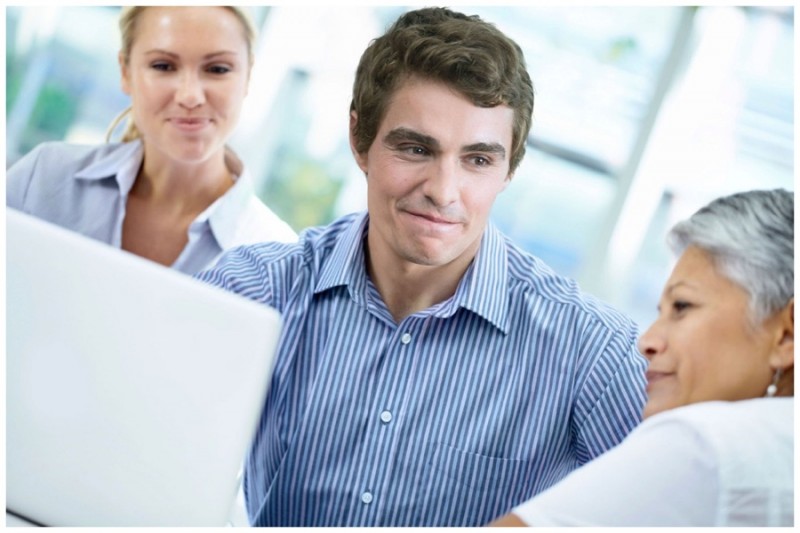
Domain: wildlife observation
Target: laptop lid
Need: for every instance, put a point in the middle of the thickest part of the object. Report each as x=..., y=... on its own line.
x=133, y=391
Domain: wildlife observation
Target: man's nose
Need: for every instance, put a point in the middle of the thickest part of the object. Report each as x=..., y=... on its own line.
x=442, y=184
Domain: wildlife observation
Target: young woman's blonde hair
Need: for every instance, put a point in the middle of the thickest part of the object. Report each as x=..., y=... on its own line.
x=128, y=18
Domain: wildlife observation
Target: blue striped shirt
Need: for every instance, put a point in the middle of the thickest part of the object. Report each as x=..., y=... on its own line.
x=451, y=417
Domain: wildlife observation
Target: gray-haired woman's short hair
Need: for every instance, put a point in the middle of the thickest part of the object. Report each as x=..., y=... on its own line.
x=750, y=237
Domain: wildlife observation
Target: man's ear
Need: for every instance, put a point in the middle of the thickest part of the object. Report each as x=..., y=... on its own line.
x=361, y=159
x=783, y=352
x=125, y=81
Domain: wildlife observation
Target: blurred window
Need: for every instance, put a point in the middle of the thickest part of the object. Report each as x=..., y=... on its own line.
x=642, y=115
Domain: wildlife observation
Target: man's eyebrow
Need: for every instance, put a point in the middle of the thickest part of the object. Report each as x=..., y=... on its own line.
x=487, y=148
x=399, y=135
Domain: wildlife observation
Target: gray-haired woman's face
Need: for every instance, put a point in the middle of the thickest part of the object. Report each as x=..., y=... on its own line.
x=700, y=347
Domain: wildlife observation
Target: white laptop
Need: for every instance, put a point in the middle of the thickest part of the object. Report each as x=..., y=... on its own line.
x=133, y=391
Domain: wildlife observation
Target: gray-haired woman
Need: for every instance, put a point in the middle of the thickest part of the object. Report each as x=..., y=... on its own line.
x=716, y=446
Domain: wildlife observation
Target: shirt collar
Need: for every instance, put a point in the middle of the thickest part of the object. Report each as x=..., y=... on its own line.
x=483, y=289
x=346, y=264
x=122, y=163
x=224, y=214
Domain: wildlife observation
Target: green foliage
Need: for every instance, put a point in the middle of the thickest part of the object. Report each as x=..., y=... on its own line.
x=13, y=80
x=54, y=111
x=620, y=48
x=302, y=192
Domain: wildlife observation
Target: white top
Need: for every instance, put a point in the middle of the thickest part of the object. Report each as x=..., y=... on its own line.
x=85, y=189
x=707, y=464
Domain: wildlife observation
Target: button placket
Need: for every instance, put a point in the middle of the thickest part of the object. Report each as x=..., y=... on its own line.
x=388, y=397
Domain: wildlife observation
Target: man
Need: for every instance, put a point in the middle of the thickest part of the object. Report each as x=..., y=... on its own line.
x=429, y=371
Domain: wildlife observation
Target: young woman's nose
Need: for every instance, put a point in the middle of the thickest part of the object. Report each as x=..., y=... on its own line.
x=190, y=93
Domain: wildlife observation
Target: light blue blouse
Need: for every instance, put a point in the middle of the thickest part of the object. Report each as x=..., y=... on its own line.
x=85, y=188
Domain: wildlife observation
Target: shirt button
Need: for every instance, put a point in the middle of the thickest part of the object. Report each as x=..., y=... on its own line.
x=386, y=417
x=366, y=497
x=406, y=338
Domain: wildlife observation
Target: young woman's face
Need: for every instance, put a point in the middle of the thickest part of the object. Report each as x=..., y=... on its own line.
x=702, y=347
x=187, y=76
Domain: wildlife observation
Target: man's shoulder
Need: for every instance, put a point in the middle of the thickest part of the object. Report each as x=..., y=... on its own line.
x=323, y=238
x=312, y=246
x=530, y=274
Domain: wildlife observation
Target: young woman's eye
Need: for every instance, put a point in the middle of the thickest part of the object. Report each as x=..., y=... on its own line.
x=161, y=66
x=219, y=69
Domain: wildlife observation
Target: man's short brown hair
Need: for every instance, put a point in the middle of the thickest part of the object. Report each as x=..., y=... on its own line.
x=464, y=52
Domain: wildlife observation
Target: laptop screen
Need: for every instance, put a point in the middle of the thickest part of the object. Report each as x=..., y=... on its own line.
x=133, y=391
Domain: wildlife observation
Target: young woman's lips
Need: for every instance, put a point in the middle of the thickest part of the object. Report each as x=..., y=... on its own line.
x=190, y=124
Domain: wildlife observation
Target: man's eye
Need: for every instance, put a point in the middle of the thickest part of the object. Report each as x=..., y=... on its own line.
x=481, y=161
x=414, y=150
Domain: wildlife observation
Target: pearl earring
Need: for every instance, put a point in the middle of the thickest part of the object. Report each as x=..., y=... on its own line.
x=773, y=387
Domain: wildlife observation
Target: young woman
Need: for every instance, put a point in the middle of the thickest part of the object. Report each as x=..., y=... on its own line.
x=171, y=191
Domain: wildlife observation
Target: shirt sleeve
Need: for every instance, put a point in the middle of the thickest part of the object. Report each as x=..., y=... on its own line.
x=242, y=271
x=663, y=474
x=611, y=401
x=19, y=177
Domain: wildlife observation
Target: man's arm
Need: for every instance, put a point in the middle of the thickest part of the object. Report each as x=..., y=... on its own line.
x=612, y=398
x=243, y=271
